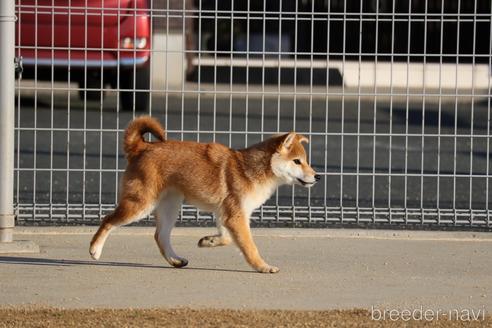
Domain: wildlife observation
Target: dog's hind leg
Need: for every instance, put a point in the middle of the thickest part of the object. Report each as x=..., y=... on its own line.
x=129, y=209
x=166, y=215
x=221, y=239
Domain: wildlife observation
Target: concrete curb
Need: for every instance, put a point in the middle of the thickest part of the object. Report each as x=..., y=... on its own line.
x=277, y=233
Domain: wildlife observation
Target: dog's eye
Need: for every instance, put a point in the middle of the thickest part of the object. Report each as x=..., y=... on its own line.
x=297, y=161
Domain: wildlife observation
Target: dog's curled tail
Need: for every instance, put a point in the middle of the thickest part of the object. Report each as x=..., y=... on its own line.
x=134, y=142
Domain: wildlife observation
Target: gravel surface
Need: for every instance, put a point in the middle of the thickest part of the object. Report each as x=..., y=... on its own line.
x=184, y=317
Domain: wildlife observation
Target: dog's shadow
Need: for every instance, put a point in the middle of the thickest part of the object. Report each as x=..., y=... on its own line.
x=64, y=263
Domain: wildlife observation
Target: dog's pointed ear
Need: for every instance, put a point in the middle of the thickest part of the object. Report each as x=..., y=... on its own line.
x=288, y=140
x=302, y=138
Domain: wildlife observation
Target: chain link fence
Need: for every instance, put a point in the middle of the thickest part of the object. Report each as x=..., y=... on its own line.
x=394, y=96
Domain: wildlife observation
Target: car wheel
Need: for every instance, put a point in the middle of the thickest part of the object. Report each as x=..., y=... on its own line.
x=91, y=81
x=137, y=79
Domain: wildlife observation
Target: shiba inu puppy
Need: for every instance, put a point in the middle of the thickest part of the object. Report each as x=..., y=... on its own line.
x=230, y=183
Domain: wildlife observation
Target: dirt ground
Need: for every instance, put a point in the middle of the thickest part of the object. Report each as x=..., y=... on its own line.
x=185, y=317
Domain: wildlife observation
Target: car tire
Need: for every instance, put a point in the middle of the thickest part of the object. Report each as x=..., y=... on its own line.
x=137, y=79
x=91, y=81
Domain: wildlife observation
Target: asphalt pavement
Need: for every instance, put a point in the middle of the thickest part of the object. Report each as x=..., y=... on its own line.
x=319, y=269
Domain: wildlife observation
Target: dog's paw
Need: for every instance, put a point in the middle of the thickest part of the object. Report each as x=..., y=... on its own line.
x=95, y=252
x=268, y=269
x=178, y=262
x=214, y=241
x=207, y=241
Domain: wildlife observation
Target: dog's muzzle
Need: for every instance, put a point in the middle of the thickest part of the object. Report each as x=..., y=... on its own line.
x=317, y=177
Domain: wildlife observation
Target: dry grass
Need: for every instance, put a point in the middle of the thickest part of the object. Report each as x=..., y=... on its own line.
x=183, y=317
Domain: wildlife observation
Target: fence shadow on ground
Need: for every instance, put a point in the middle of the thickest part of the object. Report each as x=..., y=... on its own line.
x=63, y=263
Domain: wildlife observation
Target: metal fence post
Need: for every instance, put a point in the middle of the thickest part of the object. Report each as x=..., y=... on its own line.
x=7, y=121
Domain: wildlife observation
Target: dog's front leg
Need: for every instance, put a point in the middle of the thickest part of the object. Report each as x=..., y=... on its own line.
x=238, y=226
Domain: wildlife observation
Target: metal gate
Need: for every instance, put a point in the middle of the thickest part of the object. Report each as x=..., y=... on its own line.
x=394, y=96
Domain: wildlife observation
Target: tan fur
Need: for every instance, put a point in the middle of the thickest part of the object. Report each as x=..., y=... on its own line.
x=230, y=183
x=134, y=142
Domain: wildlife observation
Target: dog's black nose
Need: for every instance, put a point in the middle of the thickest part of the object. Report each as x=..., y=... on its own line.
x=317, y=177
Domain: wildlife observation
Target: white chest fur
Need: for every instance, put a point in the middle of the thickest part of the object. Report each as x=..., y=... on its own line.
x=257, y=196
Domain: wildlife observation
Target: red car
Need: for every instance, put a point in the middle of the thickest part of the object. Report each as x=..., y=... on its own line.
x=92, y=42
